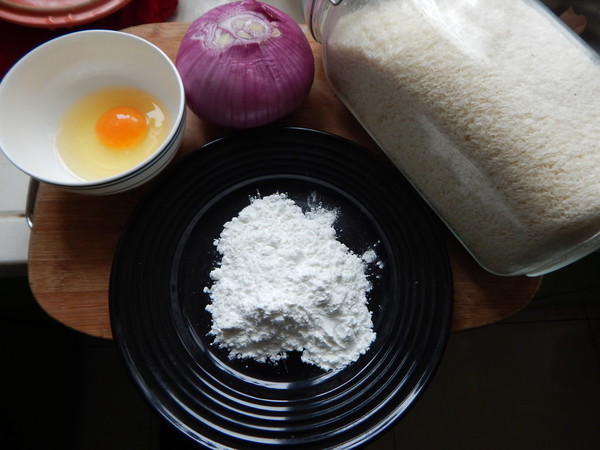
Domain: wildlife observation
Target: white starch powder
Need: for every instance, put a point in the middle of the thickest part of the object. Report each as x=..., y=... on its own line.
x=490, y=109
x=285, y=283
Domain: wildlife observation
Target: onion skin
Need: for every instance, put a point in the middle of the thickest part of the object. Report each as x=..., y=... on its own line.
x=245, y=64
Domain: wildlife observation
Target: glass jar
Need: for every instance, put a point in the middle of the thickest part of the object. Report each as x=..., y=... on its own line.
x=490, y=108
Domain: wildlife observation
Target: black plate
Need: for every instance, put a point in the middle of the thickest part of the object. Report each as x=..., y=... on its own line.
x=166, y=252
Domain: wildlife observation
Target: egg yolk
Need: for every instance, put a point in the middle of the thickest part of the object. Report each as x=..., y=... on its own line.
x=121, y=127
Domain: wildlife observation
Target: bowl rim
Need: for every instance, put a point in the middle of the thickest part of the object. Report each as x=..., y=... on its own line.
x=125, y=175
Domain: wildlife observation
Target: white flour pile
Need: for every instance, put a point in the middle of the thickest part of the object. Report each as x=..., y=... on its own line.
x=286, y=283
x=492, y=112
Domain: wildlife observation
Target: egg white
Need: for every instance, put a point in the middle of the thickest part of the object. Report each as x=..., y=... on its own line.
x=80, y=150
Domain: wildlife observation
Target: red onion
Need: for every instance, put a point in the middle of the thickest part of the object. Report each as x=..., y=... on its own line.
x=245, y=64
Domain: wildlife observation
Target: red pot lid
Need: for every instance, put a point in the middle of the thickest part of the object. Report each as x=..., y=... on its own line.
x=57, y=13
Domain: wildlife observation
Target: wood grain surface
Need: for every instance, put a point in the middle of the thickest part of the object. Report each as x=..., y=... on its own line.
x=74, y=236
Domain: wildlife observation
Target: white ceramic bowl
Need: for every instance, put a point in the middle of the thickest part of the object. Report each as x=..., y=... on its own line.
x=39, y=88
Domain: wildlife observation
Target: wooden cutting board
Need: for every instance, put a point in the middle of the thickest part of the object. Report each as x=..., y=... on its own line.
x=74, y=236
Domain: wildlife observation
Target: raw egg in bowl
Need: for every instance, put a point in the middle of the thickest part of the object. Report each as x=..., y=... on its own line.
x=95, y=112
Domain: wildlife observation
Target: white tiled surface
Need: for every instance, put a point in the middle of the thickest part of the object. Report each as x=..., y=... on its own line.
x=14, y=240
x=14, y=232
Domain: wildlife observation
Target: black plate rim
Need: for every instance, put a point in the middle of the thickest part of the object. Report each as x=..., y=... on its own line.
x=129, y=358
